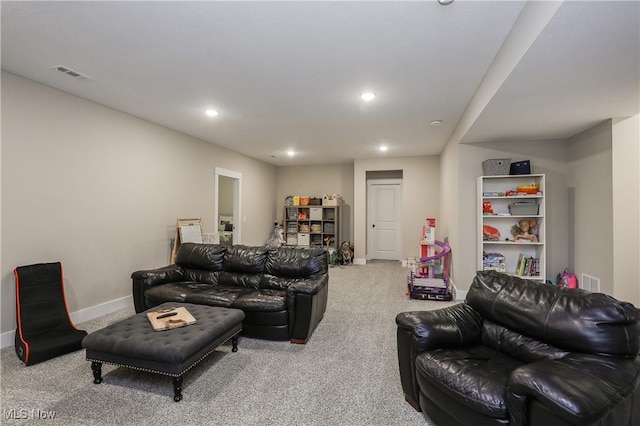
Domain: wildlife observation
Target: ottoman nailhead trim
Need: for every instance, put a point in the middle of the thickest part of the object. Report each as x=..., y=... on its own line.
x=148, y=370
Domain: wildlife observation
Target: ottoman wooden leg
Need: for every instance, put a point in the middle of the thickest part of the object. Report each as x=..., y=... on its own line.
x=177, y=388
x=96, y=367
x=234, y=343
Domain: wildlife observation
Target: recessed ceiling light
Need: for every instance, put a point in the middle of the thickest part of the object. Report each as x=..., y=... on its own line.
x=383, y=148
x=368, y=96
x=211, y=112
x=435, y=123
x=445, y=2
x=291, y=153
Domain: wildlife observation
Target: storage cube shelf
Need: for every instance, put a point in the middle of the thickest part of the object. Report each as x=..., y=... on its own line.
x=312, y=226
x=509, y=207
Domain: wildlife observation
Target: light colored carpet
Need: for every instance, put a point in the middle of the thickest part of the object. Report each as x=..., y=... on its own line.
x=347, y=374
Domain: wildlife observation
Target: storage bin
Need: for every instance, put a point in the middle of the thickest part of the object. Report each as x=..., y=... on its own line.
x=303, y=239
x=315, y=201
x=315, y=213
x=496, y=166
x=304, y=227
x=329, y=228
x=304, y=201
x=520, y=168
x=292, y=240
x=292, y=213
x=524, y=208
x=316, y=228
x=331, y=200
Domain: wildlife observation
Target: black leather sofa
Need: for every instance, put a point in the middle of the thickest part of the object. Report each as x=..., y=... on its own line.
x=520, y=352
x=283, y=292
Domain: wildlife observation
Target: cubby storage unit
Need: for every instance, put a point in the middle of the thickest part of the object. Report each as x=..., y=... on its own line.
x=312, y=225
x=504, y=201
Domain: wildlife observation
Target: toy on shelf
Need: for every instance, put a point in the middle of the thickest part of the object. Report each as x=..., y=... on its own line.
x=524, y=231
x=486, y=207
x=489, y=233
x=429, y=277
x=531, y=189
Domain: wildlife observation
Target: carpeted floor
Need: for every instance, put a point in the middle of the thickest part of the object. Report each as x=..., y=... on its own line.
x=347, y=374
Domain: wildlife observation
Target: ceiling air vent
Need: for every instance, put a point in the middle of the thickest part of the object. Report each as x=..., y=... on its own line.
x=71, y=73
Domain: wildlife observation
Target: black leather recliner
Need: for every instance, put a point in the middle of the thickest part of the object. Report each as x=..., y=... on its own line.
x=519, y=352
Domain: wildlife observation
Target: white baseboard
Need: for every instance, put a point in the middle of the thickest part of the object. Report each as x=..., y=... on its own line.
x=7, y=339
x=460, y=295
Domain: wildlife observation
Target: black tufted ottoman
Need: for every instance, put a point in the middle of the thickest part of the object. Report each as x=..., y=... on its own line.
x=133, y=343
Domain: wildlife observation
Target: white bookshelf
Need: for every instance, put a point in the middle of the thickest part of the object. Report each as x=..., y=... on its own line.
x=496, y=190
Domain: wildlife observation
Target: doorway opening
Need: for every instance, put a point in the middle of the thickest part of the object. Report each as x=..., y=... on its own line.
x=226, y=209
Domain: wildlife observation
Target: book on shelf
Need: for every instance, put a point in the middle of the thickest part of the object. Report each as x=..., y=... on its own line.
x=527, y=266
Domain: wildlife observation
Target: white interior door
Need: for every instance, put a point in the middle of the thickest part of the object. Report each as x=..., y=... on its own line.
x=384, y=222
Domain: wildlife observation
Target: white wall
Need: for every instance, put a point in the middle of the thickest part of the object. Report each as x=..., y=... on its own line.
x=448, y=222
x=421, y=198
x=626, y=208
x=100, y=191
x=591, y=178
x=315, y=181
x=548, y=157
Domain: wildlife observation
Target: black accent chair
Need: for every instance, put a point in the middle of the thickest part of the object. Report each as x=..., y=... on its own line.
x=520, y=352
x=45, y=329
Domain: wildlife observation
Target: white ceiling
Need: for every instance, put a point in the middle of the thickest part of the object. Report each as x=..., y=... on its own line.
x=287, y=75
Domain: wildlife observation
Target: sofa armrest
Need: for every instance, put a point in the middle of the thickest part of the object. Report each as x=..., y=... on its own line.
x=307, y=302
x=455, y=326
x=579, y=389
x=418, y=331
x=311, y=285
x=145, y=279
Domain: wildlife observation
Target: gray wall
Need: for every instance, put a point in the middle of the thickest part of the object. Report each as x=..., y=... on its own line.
x=100, y=191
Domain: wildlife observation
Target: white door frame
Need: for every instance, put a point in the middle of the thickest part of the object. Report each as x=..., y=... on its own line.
x=370, y=183
x=237, y=196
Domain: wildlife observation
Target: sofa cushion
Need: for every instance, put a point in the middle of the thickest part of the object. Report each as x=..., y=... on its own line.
x=171, y=292
x=201, y=276
x=296, y=261
x=477, y=375
x=217, y=295
x=262, y=300
x=516, y=345
x=201, y=256
x=245, y=259
x=239, y=279
x=571, y=319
